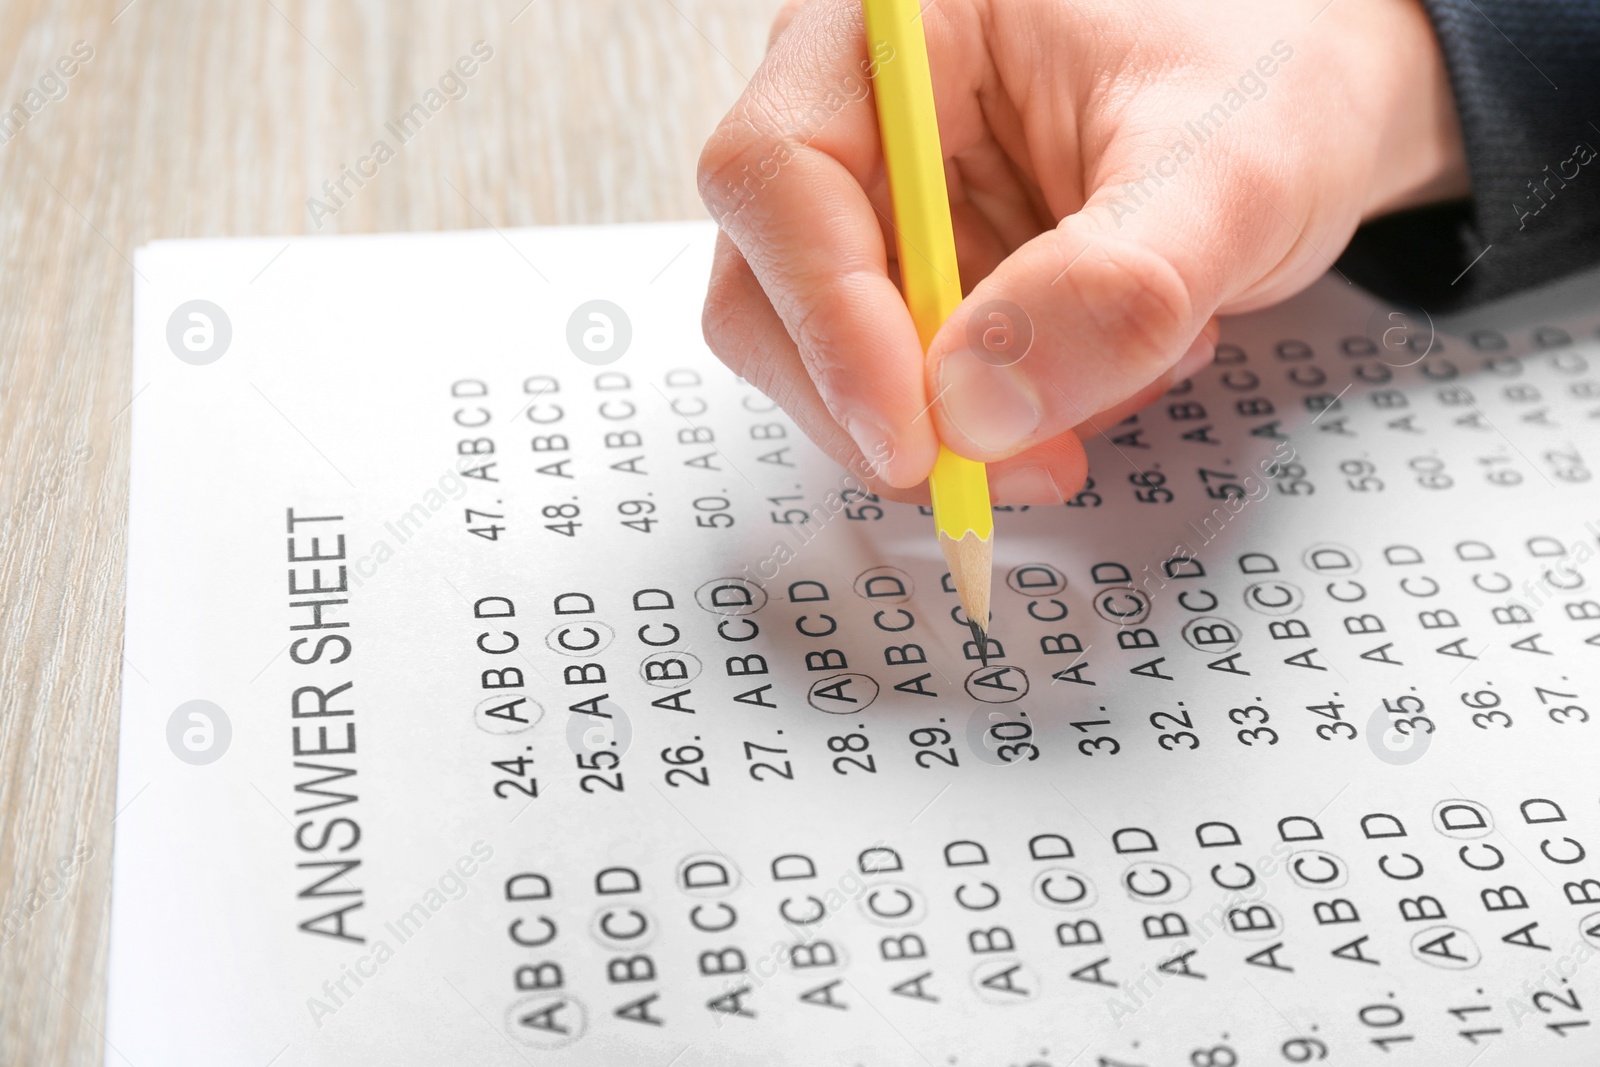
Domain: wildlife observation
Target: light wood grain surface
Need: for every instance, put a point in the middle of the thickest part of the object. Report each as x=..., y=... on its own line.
x=195, y=119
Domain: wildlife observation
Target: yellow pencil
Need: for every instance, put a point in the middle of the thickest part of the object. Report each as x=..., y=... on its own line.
x=909, y=127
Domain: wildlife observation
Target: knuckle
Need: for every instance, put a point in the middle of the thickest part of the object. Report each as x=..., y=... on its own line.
x=816, y=351
x=1142, y=302
x=722, y=322
x=1260, y=170
x=729, y=153
x=781, y=21
x=734, y=331
x=802, y=326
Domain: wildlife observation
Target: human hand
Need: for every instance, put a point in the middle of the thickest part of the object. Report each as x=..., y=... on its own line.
x=1121, y=172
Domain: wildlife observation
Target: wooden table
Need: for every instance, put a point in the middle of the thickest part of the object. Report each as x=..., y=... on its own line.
x=190, y=119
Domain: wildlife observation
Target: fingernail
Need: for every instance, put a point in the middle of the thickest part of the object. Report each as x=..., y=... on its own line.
x=873, y=439
x=1196, y=359
x=993, y=407
x=1027, y=485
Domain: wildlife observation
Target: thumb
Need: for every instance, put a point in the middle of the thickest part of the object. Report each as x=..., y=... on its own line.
x=1111, y=304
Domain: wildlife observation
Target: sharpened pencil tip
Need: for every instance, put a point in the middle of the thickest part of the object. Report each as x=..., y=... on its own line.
x=982, y=640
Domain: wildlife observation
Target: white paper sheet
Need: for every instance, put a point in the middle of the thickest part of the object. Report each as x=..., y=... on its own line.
x=1190, y=814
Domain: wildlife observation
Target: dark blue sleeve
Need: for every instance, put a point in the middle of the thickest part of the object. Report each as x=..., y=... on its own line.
x=1526, y=78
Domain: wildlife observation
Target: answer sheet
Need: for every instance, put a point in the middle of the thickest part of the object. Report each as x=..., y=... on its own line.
x=507, y=682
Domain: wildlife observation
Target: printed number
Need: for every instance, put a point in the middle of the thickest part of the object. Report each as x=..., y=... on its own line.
x=788, y=516
x=751, y=748
x=848, y=743
x=713, y=512
x=698, y=775
x=1361, y=476
x=1253, y=713
x=530, y=787
x=1497, y=471
x=518, y=767
x=868, y=512
x=637, y=514
x=1485, y=700
x=1568, y=466
x=1430, y=472
x=1291, y=478
x=1304, y=1050
x=1087, y=497
x=1330, y=730
x=488, y=533
x=1228, y=485
x=1215, y=1056
x=1012, y=741
x=1381, y=1017
x=569, y=512
x=926, y=738
x=1408, y=705
x=1153, y=487
x=1169, y=741
x=682, y=760
x=600, y=761
x=1542, y=997
x=1562, y=714
x=1090, y=745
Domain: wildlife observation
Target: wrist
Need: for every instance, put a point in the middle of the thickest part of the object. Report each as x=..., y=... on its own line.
x=1419, y=157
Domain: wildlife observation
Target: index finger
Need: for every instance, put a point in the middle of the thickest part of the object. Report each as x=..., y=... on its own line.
x=785, y=176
